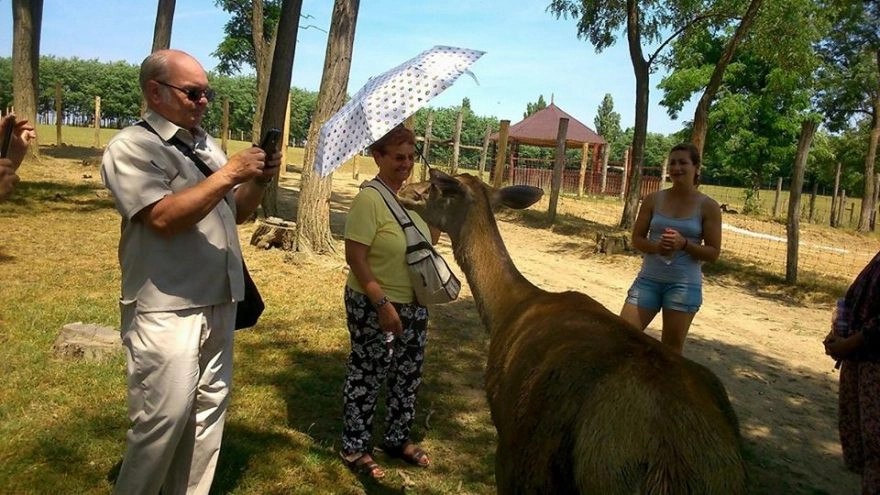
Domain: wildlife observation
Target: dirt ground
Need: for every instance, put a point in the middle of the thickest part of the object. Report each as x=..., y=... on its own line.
x=767, y=352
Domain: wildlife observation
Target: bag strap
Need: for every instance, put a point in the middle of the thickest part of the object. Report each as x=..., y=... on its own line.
x=400, y=214
x=184, y=149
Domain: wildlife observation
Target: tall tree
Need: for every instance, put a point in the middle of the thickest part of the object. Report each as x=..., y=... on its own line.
x=599, y=21
x=278, y=90
x=607, y=121
x=250, y=41
x=164, y=21
x=850, y=76
x=27, y=20
x=646, y=23
x=701, y=113
x=535, y=107
x=313, y=212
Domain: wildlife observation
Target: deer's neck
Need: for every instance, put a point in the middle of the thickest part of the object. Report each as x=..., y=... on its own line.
x=498, y=287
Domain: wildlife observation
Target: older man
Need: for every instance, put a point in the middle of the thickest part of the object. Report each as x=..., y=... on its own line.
x=181, y=275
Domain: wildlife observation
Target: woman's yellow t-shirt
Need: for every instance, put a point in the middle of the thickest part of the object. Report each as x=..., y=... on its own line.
x=370, y=222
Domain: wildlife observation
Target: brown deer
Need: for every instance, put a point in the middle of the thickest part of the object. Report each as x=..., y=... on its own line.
x=583, y=403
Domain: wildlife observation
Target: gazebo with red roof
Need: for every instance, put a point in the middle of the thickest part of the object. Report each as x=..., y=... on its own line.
x=541, y=129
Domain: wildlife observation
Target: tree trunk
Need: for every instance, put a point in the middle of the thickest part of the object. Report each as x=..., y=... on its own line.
x=263, y=55
x=313, y=214
x=701, y=114
x=868, y=193
x=278, y=92
x=164, y=21
x=558, y=169
x=640, y=68
x=808, y=128
x=27, y=20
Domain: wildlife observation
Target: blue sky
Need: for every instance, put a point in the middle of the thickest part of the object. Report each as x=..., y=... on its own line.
x=528, y=51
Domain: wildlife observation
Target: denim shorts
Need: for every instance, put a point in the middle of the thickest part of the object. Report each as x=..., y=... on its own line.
x=677, y=296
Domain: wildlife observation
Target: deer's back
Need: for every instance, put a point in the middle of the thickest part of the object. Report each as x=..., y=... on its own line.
x=586, y=403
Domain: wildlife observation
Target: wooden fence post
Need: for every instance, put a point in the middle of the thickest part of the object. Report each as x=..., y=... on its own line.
x=98, y=122
x=876, y=200
x=813, y=194
x=427, y=147
x=834, y=218
x=583, y=171
x=59, y=115
x=456, y=140
x=501, y=155
x=606, y=151
x=224, y=140
x=558, y=167
x=778, y=196
x=485, y=150
x=624, y=178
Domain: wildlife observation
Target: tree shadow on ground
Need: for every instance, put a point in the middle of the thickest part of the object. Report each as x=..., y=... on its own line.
x=804, y=426
x=56, y=196
x=452, y=382
x=86, y=155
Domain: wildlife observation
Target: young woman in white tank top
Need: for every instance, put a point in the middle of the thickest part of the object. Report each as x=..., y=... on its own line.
x=677, y=229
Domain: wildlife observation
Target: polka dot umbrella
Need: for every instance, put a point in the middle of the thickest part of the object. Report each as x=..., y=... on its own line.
x=387, y=100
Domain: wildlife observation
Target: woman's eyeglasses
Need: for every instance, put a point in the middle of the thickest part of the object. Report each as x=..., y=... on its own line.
x=193, y=95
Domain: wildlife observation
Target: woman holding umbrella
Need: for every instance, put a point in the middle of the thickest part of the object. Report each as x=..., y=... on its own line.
x=387, y=326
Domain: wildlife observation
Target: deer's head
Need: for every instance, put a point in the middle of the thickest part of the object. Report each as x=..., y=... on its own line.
x=445, y=201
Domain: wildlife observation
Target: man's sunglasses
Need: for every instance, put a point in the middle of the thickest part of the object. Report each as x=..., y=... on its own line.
x=193, y=95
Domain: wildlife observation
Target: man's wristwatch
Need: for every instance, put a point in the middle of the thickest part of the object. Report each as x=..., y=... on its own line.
x=381, y=302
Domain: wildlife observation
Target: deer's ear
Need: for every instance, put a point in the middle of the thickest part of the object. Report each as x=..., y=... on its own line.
x=518, y=197
x=446, y=183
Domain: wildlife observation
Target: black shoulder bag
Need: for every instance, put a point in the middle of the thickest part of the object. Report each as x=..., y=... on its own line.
x=251, y=307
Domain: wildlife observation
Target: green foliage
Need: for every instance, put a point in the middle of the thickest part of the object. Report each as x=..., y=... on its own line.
x=848, y=77
x=473, y=130
x=607, y=123
x=601, y=21
x=117, y=85
x=751, y=202
x=535, y=107
x=236, y=50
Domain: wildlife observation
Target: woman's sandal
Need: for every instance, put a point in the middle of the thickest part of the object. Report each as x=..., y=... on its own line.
x=363, y=465
x=410, y=453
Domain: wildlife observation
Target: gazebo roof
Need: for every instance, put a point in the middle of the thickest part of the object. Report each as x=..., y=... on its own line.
x=541, y=128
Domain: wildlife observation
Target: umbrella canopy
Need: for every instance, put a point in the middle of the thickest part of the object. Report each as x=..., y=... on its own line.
x=387, y=100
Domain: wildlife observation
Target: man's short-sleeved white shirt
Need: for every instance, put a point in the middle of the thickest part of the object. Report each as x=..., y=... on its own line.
x=199, y=267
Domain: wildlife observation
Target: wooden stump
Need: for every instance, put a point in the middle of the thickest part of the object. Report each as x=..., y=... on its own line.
x=274, y=232
x=86, y=341
x=612, y=243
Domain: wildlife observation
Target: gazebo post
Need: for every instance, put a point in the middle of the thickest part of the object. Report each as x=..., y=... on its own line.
x=585, y=148
x=501, y=154
x=606, y=152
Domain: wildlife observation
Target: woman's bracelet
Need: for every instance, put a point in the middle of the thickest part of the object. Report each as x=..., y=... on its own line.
x=381, y=302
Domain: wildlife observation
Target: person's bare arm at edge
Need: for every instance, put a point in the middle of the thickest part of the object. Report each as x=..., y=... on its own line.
x=711, y=247
x=180, y=211
x=640, y=239
x=356, y=257
x=250, y=194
